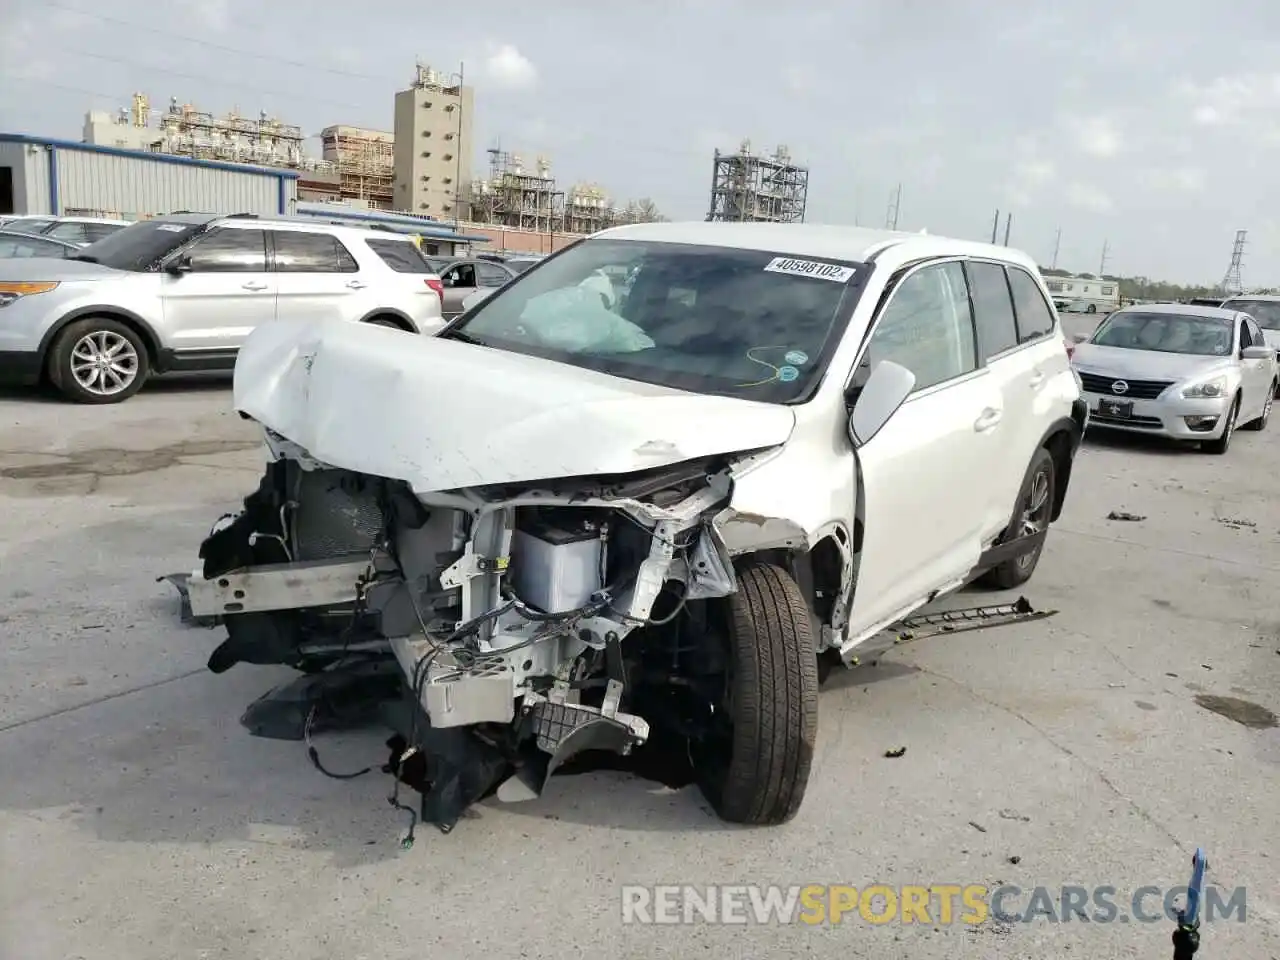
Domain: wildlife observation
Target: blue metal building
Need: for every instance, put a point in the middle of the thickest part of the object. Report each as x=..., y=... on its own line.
x=63, y=178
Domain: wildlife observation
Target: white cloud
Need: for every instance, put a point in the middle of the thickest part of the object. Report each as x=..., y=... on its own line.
x=212, y=15
x=799, y=79
x=1233, y=99
x=507, y=67
x=1089, y=198
x=1179, y=180
x=1099, y=137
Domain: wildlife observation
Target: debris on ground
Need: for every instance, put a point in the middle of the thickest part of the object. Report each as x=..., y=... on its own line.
x=1127, y=517
x=977, y=826
x=1007, y=814
x=1243, y=712
x=895, y=753
x=1015, y=860
x=1235, y=524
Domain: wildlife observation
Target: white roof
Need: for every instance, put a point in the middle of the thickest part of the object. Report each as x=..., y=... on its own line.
x=1267, y=297
x=815, y=240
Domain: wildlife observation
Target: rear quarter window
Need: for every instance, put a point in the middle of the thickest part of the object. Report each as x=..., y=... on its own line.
x=992, y=308
x=400, y=255
x=1034, y=318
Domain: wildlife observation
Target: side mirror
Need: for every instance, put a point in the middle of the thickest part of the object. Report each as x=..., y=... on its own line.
x=178, y=265
x=1257, y=352
x=885, y=391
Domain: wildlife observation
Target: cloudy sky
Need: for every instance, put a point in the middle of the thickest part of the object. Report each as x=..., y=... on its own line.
x=1152, y=126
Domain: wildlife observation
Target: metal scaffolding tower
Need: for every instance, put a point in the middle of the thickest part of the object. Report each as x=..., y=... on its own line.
x=757, y=188
x=1231, y=281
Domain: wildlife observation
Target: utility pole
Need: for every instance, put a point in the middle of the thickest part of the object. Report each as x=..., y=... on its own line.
x=1057, y=244
x=995, y=225
x=1008, y=225
x=1232, y=281
x=895, y=206
x=1102, y=266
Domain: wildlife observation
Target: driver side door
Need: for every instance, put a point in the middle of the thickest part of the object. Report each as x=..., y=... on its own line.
x=924, y=477
x=211, y=307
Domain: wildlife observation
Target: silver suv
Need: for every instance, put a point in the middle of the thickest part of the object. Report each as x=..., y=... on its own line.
x=181, y=293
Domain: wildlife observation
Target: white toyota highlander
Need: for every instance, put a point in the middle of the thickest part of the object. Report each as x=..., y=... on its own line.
x=571, y=520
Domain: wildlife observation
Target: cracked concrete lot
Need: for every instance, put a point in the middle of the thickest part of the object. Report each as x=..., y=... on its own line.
x=139, y=820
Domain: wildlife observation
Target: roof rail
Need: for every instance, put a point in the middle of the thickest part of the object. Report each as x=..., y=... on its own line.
x=244, y=216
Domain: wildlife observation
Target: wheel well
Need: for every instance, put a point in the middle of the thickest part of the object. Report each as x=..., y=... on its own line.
x=1060, y=447
x=398, y=321
x=145, y=335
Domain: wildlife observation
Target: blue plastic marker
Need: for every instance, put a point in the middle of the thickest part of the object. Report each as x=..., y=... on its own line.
x=1191, y=915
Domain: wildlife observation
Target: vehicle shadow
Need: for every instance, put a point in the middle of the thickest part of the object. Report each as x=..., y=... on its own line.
x=1104, y=439
x=168, y=384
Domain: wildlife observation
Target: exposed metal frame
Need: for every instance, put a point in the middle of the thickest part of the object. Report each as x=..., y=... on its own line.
x=754, y=188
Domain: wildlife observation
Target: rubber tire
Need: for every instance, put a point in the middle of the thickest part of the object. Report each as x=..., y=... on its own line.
x=1258, y=424
x=1220, y=446
x=774, y=697
x=386, y=322
x=1008, y=575
x=59, y=360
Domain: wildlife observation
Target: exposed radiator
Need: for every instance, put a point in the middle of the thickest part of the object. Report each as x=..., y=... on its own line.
x=337, y=514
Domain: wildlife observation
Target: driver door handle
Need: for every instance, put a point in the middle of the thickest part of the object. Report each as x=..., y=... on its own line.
x=1037, y=378
x=356, y=285
x=989, y=418
x=254, y=285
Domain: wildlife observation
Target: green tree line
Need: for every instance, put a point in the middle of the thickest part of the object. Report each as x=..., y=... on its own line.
x=1144, y=288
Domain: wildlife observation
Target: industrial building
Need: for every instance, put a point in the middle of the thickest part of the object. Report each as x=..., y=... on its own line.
x=587, y=208
x=433, y=145
x=64, y=178
x=515, y=197
x=365, y=163
x=752, y=187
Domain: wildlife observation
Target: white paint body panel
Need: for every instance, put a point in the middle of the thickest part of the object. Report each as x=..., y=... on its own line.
x=441, y=415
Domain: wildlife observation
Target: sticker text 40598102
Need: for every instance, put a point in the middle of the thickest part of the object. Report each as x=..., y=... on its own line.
x=810, y=268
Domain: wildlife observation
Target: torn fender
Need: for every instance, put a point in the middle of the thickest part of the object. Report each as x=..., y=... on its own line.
x=742, y=532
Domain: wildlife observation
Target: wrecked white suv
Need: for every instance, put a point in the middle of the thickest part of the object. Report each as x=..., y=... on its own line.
x=572, y=522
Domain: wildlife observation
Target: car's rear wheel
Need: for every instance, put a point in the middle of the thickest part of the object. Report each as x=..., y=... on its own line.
x=386, y=322
x=98, y=360
x=1260, y=423
x=1035, y=508
x=753, y=765
x=1219, y=446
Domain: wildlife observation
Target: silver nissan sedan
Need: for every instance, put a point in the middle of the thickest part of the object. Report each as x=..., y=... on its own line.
x=1186, y=372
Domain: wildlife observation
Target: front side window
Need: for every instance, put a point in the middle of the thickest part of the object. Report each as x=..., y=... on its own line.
x=992, y=308
x=463, y=275
x=1166, y=333
x=70, y=231
x=229, y=251
x=742, y=323
x=1033, y=315
x=927, y=327
x=301, y=252
x=1265, y=312
x=14, y=247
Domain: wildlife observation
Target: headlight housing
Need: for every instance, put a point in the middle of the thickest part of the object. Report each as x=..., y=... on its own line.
x=1206, y=389
x=11, y=291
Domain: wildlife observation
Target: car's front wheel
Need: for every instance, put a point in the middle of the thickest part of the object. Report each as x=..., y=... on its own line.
x=753, y=764
x=98, y=360
x=1220, y=445
x=1035, y=507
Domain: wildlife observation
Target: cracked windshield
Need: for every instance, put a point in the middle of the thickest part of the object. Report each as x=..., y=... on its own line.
x=695, y=480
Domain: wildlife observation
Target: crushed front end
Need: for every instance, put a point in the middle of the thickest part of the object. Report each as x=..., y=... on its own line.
x=500, y=613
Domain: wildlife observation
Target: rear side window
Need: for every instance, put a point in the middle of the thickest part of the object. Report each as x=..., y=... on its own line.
x=490, y=275
x=93, y=232
x=70, y=231
x=992, y=308
x=400, y=255
x=297, y=252
x=1035, y=320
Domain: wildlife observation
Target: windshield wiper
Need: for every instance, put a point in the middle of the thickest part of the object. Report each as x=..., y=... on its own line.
x=461, y=337
x=84, y=258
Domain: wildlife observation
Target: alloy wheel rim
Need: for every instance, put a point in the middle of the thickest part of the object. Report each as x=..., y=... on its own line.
x=104, y=363
x=1035, y=515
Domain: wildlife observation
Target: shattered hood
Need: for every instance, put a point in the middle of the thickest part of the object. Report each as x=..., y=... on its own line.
x=442, y=414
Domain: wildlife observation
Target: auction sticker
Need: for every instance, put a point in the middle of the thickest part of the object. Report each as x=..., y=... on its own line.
x=810, y=268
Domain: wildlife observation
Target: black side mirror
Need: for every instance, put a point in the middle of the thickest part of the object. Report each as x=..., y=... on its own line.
x=178, y=265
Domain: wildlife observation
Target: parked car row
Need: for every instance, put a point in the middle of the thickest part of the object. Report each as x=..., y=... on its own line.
x=80, y=231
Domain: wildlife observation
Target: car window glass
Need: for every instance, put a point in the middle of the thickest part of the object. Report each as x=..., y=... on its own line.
x=400, y=255
x=1034, y=318
x=94, y=232
x=463, y=275
x=992, y=308
x=1245, y=339
x=301, y=252
x=229, y=251
x=1256, y=334
x=71, y=232
x=926, y=327
x=1265, y=313
x=35, y=226
x=491, y=276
